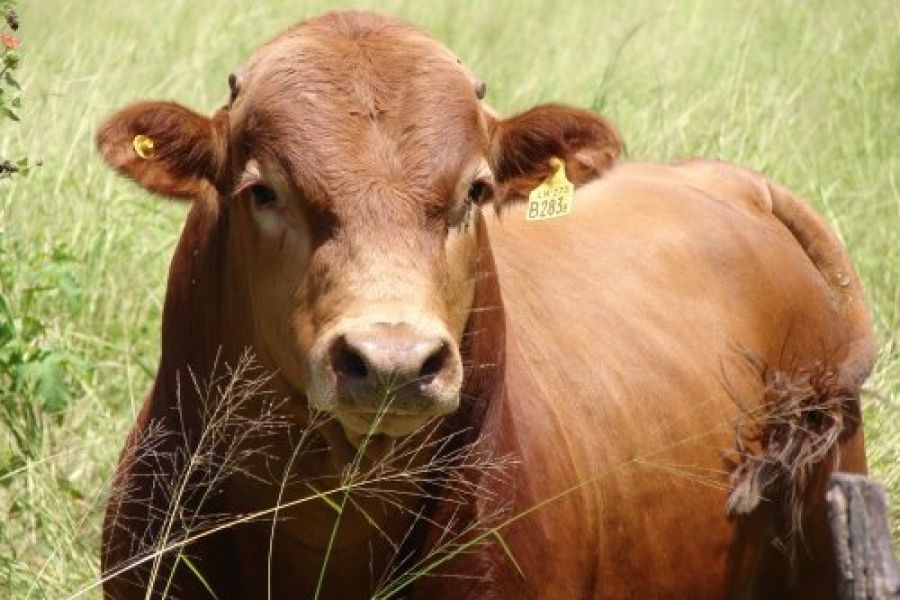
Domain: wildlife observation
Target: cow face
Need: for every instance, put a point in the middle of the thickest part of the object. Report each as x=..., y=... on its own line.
x=353, y=160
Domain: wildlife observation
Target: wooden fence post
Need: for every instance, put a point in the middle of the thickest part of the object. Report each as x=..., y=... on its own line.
x=858, y=515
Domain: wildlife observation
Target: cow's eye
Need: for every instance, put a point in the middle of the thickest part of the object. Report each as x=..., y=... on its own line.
x=479, y=191
x=263, y=196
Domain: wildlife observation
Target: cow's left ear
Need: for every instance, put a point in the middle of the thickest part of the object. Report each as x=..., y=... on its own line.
x=166, y=147
x=523, y=145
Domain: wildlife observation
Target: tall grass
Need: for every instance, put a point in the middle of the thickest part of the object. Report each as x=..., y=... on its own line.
x=807, y=92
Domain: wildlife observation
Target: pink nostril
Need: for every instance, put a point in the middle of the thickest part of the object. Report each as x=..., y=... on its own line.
x=347, y=361
x=434, y=364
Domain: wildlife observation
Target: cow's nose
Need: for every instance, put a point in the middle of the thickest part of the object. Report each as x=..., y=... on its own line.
x=386, y=358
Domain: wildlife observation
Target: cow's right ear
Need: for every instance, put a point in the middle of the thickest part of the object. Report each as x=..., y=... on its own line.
x=523, y=145
x=165, y=147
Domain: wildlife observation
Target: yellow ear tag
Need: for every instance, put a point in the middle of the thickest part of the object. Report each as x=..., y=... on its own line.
x=143, y=146
x=553, y=198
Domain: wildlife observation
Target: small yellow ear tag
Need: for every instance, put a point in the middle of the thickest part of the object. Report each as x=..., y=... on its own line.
x=553, y=198
x=143, y=146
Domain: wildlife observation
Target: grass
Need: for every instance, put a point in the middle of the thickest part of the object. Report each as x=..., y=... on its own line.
x=806, y=92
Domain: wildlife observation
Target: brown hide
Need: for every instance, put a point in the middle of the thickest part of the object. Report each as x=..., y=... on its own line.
x=642, y=331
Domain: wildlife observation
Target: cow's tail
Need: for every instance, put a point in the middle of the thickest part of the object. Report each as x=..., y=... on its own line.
x=811, y=422
x=826, y=251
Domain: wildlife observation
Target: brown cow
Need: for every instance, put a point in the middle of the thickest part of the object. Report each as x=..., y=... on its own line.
x=595, y=366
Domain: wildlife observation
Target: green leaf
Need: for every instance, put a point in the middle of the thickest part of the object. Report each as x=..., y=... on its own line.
x=11, y=81
x=9, y=113
x=66, y=485
x=32, y=327
x=52, y=387
x=48, y=376
x=11, y=359
x=6, y=317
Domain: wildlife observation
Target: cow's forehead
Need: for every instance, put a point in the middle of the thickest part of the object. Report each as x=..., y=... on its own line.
x=359, y=98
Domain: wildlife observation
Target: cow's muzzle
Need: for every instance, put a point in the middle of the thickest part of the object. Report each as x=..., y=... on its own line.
x=390, y=379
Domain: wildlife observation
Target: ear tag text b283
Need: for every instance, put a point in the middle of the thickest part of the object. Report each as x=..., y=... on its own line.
x=553, y=197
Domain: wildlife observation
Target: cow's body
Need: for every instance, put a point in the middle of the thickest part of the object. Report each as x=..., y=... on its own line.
x=635, y=328
x=642, y=361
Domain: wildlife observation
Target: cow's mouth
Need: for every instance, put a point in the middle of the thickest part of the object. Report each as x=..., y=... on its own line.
x=351, y=431
x=376, y=447
x=374, y=434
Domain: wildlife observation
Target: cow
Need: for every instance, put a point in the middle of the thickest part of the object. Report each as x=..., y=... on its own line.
x=640, y=399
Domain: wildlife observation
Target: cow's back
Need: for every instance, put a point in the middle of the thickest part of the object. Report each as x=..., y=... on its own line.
x=647, y=330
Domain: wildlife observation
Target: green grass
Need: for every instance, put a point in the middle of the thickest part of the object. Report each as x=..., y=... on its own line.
x=808, y=92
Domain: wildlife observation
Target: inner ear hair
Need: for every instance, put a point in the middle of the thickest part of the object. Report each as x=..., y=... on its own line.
x=235, y=83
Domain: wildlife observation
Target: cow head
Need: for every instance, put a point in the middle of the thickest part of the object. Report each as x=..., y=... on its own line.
x=353, y=161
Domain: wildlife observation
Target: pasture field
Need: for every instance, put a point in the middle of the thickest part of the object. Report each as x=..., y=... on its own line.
x=807, y=92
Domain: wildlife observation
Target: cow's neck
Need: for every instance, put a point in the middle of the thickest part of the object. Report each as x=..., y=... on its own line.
x=194, y=306
x=484, y=346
